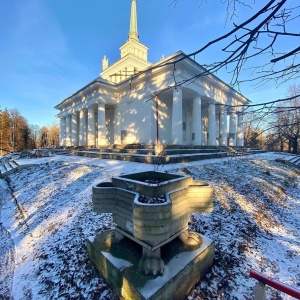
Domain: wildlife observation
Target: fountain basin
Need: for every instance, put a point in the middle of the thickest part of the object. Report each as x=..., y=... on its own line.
x=137, y=182
x=152, y=223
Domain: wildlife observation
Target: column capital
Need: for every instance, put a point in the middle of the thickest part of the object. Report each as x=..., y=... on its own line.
x=198, y=95
x=223, y=111
x=232, y=111
x=177, y=89
x=100, y=103
x=212, y=101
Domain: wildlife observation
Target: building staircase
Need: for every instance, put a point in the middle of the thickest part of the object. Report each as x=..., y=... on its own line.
x=148, y=154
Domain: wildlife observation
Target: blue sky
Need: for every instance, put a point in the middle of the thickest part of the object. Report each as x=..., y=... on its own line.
x=52, y=48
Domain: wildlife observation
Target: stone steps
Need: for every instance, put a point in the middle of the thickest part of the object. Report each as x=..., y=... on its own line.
x=247, y=151
x=151, y=158
x=11, y=167
x=6, y=166
x=152, y=151
x=146, y=153
x=295, y=160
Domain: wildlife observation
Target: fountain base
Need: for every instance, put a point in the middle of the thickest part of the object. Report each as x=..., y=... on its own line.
x=117, y=257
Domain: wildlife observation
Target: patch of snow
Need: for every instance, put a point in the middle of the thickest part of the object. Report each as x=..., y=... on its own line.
x=173, y=267
x=129, y=226
x=118, y=262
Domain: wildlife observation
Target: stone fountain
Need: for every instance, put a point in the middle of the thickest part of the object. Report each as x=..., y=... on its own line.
x=151, y=254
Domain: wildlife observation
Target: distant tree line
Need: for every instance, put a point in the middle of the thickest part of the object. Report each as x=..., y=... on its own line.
x=275, y=125
x=17, y=135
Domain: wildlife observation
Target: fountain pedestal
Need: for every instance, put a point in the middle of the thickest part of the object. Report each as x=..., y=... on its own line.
x=117, y=261
x=151, y=254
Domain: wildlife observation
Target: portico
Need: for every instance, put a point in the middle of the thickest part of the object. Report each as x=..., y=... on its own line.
x=138, y=102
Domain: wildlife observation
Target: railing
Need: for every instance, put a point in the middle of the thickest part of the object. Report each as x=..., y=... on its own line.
x=260, y=288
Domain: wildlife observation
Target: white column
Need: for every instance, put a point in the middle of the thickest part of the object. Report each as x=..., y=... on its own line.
x=101, y=125
x=62, y=131
x=232, y=129
x=85, y=123
x=74, y=130
x=82, y=128
x=211, y=124
x=197, y=122
x=188, y=126
x=117, y=122
x=177, y=117
x=68, y=130
x=91, y=126
x=217, y=129
x=240, y=130
x=223, y=127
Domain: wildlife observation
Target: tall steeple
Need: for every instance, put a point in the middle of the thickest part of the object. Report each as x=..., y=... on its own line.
x=134, y=55
x=133, y=31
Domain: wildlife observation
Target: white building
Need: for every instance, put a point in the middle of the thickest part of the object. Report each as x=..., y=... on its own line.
x=135, y=101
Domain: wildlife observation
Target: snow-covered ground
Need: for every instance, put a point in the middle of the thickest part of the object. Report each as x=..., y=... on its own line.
x=46, y=216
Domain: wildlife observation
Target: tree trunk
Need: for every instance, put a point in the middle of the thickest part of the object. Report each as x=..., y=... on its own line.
x=281, y=145
x=295, y=144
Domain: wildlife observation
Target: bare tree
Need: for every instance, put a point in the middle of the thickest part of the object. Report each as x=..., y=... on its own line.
x=288, y=119
x=271, y=33
x=35, y=136
x=278, y=120
x=252, y=130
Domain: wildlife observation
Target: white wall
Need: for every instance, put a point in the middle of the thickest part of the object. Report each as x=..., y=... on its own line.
x=135, y=117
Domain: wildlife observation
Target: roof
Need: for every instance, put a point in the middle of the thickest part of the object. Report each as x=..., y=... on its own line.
x=175, y=57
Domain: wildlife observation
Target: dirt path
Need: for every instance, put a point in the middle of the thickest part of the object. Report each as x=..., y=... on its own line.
x=7, y=250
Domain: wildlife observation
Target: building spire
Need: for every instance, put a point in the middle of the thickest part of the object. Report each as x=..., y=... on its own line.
x=133, y=31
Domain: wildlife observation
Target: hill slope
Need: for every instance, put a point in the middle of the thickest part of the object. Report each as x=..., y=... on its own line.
x=47, y=215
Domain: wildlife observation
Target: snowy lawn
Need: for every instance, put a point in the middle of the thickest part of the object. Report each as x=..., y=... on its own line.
x=46, y=216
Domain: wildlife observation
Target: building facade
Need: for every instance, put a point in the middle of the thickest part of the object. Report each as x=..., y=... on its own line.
x=134, y=101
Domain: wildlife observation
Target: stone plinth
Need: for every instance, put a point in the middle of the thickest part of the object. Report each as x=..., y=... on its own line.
x=117, y=259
